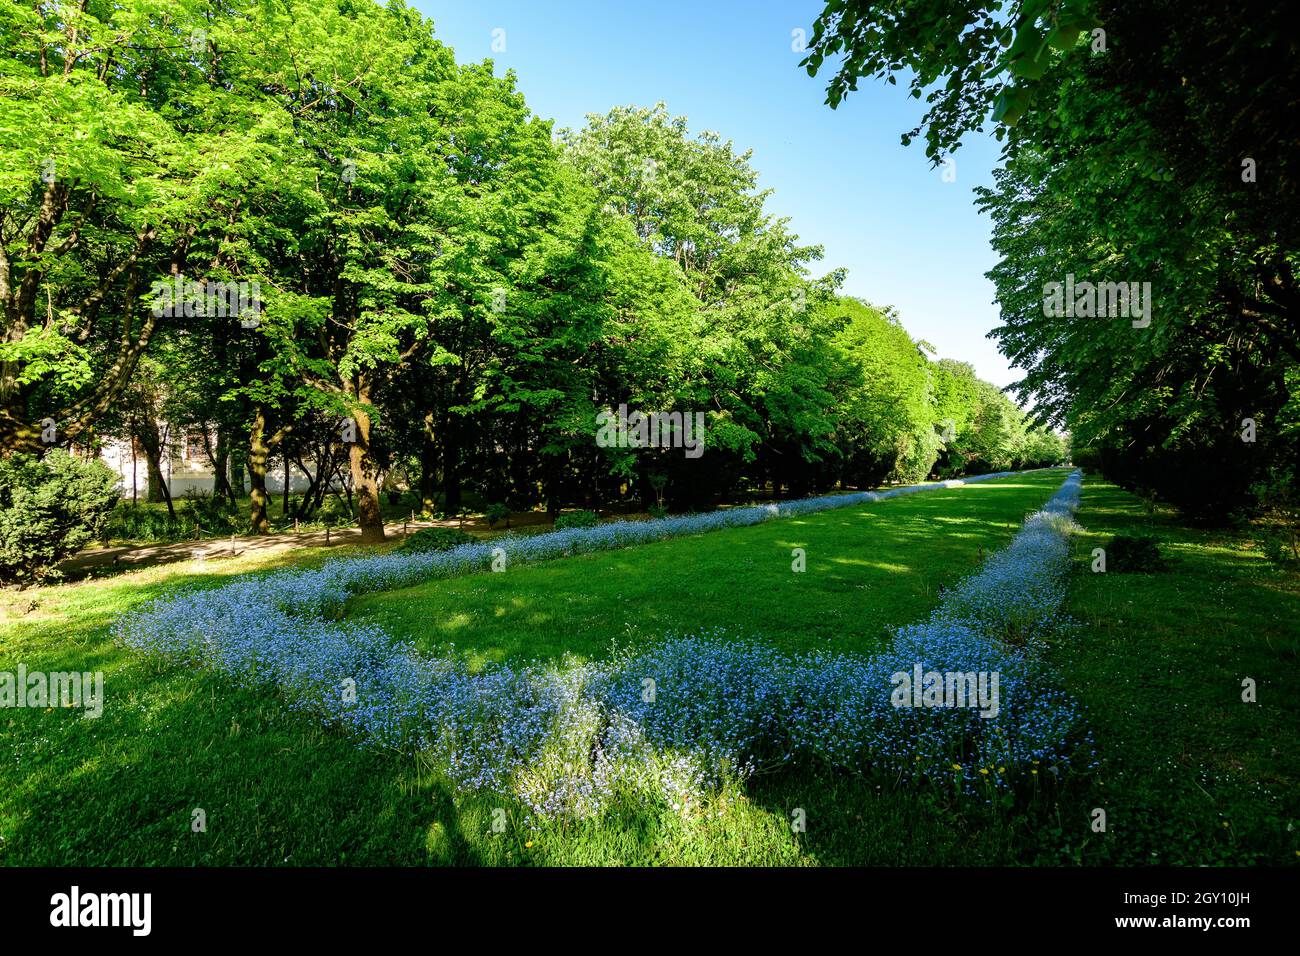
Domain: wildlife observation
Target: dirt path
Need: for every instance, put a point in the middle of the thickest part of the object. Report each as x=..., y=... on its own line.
x=120, y=557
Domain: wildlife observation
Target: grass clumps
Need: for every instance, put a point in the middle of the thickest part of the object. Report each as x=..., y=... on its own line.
x=577, y=519
x=1134, y=554
x=437, y=539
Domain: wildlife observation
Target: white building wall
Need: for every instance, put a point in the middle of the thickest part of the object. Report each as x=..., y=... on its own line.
x=191, y=476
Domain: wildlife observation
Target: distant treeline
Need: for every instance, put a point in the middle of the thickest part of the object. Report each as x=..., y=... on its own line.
x=303, y=231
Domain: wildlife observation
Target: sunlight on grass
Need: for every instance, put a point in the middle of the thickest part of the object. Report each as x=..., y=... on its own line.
x=1197, y=775
x=281, y=788
x=740, y=580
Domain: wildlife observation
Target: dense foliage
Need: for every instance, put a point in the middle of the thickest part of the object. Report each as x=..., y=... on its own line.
x=447, y=293
x=1145, y=142
x=50, y=507
x=437, y=539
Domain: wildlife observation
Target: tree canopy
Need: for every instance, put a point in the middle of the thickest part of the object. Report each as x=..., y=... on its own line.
x=1149, y=143
x=432, y=283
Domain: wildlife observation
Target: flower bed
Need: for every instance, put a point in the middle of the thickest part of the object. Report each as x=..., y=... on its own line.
x=326, y=590
x=565, y=738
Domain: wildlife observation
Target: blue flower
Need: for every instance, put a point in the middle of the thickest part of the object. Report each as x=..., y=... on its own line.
x=566, y=738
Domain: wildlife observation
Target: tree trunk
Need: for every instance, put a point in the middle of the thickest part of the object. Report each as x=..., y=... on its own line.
x=428, y=467
x=18, y=436
x=451, y=500
x=220, y=458
x=284, y=492
x=522, y=457
x=304, y=504
x=147, y=430
x=324, y=477
x=365, y=474
x=258, y=452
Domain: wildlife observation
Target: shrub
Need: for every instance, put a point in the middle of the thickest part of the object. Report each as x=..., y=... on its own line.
x=497, y=512
x=437, y=539
x=1133, y=554
x=577, y=519
x=658, y=511
x=50, y=507
x=1278, y=514
x=333, y=511
x=151, y=522
x=1087, y=458
x=142, y=522
x=213, y=515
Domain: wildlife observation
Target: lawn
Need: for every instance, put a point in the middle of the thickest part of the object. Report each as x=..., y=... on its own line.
x=121, y=789
x=1191, y=774
x=868, y=568
x=1151, y=662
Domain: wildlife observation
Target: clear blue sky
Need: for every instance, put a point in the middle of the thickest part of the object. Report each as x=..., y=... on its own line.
x=907, y=237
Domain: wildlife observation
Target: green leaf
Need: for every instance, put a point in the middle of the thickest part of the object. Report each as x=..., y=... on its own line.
x=1032, y=68
x=1063, y=40
x=1010, y=104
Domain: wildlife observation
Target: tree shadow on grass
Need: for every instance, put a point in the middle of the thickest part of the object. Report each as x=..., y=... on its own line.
x=868, y=568
x=866, y=820
x=275, y=787
x=269, y=788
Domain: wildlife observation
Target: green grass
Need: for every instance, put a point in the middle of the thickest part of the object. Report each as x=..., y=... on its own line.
x=1158, y=661
x=120, y=789
x=869, y=568
x=277, y=788
x=144, y=522
x=1191, y=774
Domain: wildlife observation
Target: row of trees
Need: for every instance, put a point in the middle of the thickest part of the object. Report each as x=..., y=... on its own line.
x=1148, y=141
x=446, y=291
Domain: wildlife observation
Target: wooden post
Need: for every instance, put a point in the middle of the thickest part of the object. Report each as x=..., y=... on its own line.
x=232, y=545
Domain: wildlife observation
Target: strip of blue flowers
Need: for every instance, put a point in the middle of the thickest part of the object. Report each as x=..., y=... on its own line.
x=672, y=722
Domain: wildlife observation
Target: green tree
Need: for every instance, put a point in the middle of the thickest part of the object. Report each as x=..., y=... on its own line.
x=1145, y=142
